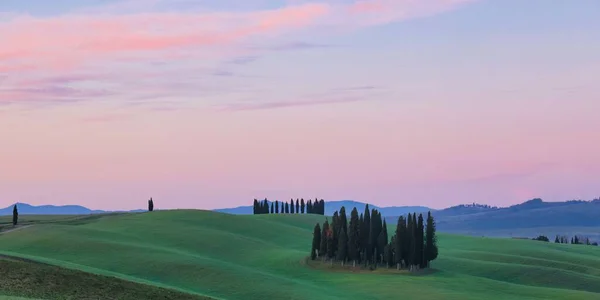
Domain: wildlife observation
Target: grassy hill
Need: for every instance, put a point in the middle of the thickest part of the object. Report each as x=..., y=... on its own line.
x=263, y=257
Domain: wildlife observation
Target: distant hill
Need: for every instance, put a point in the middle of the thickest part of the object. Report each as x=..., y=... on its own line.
x=240, y=210
x=333, y=206
x=533, y=213
x=527, y=219
x=27, y=209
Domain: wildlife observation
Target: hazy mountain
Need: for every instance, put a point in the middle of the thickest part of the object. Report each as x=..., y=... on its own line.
x=332, y=206
x=240, y=210
x=27, y=209
x=533, y=213
x=526, y=219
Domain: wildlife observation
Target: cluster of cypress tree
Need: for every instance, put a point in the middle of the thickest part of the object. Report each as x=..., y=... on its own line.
x=576, y=240
x=542, y=238
x=365, y=240
x=298, y=207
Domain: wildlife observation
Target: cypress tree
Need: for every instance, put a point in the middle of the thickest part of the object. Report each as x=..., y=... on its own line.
x=354, y=237
x=276, y=206
x=387, y=255
x=361, y=229
x=150, y=205
x=342, y=249
x=287, y=208
x=330, y=245
x=409, y=241
x=415, y=237
x=335, y=230
x=315, y=242
x=323, y=243
x=372, y=236
x=254, y=208
x=365, y=234
x=431, y=251
x=343, y=219
x=556, y=240
x=322, y=206
x=302, y=205
x=400, y=244
x=420, y=242
x=382, y=242
x=297, y=206
x=272, y=208
x=265, y=206
x=292, y=206
x=15, y=215
x=309, y=207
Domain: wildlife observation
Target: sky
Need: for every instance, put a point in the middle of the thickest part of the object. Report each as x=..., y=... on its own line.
x=210, y=104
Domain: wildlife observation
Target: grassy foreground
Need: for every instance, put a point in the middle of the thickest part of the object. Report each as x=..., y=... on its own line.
x=41, y=281
x=263, y=257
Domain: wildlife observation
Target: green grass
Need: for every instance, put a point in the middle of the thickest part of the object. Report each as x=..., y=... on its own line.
x=263, y=257
x=41, y=281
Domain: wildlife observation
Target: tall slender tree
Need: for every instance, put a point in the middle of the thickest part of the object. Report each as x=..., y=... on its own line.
x=342, y=248
x=410, y=239
x=297, y=206
x=150, y=205
x=309, y=207
x=276, y=206
x=292, y=206
x=315, y=242
x=415, y=242
x=401, y=241
x=353, y=237
x=272, y=208
x=420, y=242
x=323, y=243
x=330, y=245
x=382, y=242
x=254, y=208
x=302, y=205
x=431, y=251
x=287, y=208
x=335, y=228
x=365, y=234
x=388, y=255
x=15, y=215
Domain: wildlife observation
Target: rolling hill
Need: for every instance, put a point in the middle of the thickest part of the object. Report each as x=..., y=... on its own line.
x=28, y=209
x=227, y=256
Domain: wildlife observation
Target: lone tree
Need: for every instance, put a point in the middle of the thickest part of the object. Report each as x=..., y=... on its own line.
x=150, y=204
x=15, y=215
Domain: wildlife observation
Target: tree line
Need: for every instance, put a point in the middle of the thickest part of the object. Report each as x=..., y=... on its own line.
x=575, y=240
x=364, y=239
x=299, y=207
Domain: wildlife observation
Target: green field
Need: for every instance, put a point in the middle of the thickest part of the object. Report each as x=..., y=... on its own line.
x=263, y=257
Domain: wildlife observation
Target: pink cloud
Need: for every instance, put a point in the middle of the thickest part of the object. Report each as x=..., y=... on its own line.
x=71, y=40
x=67, y=40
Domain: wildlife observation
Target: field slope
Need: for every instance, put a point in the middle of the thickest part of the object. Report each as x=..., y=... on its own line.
x=262, y=257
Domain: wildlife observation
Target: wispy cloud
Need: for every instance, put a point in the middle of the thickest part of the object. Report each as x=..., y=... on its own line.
x=136, y=34
x=287, y=104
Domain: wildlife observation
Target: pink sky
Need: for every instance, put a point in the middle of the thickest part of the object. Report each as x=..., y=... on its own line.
x=387, y=102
